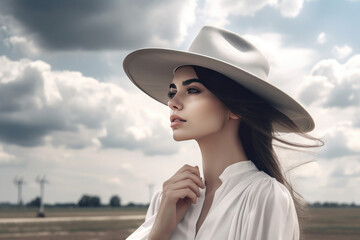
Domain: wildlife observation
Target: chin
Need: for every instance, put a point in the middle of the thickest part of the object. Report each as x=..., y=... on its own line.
x=182, y=137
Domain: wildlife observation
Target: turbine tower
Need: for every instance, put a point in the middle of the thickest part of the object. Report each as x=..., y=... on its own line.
x=19, y=182
x=41, y=181
x=151, y=187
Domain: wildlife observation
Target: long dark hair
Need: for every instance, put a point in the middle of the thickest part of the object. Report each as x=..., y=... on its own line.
x=256, y=128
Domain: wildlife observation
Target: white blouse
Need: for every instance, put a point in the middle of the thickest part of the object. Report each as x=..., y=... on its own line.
x=248, y=205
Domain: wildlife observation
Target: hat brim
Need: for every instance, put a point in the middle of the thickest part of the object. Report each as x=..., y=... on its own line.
x=151, y=70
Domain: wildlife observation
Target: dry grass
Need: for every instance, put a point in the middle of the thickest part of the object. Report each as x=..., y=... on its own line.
x=333, y=224
x=90, y=230
x=325, y=223
x=69, y=212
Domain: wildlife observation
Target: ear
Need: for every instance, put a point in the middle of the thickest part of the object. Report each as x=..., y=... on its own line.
x=233, y=116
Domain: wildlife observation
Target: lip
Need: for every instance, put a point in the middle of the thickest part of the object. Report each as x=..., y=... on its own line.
x=177, y=123
x=173, y=117
x=174, y=124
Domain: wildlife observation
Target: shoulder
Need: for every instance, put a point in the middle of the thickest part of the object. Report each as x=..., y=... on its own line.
x=267, y=191
x=272, y=210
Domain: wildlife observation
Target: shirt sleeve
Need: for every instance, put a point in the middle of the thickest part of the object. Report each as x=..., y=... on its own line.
x=272, y=215
x=143, y=232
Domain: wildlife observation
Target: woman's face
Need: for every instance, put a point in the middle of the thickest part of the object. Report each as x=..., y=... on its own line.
x=204, y=113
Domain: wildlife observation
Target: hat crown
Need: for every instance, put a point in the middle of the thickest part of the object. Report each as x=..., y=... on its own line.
x=231, y=48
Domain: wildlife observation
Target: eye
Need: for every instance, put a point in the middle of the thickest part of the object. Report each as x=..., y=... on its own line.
x=171, y=94
x=193, y=90
x=190, y=91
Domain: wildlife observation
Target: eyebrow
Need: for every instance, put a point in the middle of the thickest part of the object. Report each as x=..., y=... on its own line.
x=185, y=83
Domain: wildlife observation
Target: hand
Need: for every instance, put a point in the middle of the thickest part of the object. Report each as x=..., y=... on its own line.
x=178, y=193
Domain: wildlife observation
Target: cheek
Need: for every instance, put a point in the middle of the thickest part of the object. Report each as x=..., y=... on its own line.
x=209, y=116
x=206, y=115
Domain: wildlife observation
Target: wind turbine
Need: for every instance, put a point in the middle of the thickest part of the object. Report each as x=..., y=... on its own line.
x=41, y=181
x=19, y=182
x=151, y=187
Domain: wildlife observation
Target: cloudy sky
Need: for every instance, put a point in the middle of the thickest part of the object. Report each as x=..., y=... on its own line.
x=68, y=112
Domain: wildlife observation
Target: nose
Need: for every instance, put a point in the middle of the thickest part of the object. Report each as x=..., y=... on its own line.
x=175, y=103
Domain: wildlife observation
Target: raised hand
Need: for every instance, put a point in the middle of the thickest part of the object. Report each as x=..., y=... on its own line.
x=178, y=193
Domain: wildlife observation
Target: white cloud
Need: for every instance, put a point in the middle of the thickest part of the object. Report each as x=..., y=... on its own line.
x=162, y=26
x=338, y=84
x=187, y=19
x=327, y=91
x=13, y=39
x=290, y=8
x=315, y=89
x=115, y=181
x=216, y=12
x=288, y=64
x=109, y=25
x=341, y=52
x=104, y=172
x=4, y=156
x=321, y=39
x=22, y=45
x=326, y=180
x=339, y=141
x=66, y=109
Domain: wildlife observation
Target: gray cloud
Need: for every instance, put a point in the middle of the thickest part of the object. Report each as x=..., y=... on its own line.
x=340, y=173
x=151, y=146
x=334, y=84
x=313, y=91
x=35, y=102
x=94, y=25
x=18, y=95
x=357, y=120
x=39, y=106
x=22, y=122
x=157, y=141
x=341, y=177
x=344, y=95
x=336, y=144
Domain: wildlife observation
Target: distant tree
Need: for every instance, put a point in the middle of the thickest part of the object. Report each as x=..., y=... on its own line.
x=89, y=201
x=84, y=201
x=115, y=201
x=65, y=205
x=95, y=201
x=34, y=203
x=330, y=204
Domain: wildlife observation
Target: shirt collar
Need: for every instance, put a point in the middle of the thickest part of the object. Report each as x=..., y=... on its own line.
x=236, y=169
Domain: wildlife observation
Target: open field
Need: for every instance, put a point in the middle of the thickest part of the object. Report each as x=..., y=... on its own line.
x=69, y=212
x=90, y=229
x=324, y=223
x=333, y=224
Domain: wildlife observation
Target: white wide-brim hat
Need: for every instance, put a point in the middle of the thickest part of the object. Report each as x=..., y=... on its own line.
x=152, y=69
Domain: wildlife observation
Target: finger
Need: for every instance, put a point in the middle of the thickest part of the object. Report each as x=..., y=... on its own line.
x=185, y=192
x=186, y=184
x=187, y=175
x=189, y=168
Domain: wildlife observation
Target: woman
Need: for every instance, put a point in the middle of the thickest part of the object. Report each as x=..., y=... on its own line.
x=219, y=96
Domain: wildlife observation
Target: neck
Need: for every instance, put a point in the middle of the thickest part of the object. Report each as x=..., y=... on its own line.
x=218, y=151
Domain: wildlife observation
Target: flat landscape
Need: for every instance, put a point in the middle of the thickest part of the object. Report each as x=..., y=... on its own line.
x=118, y=223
